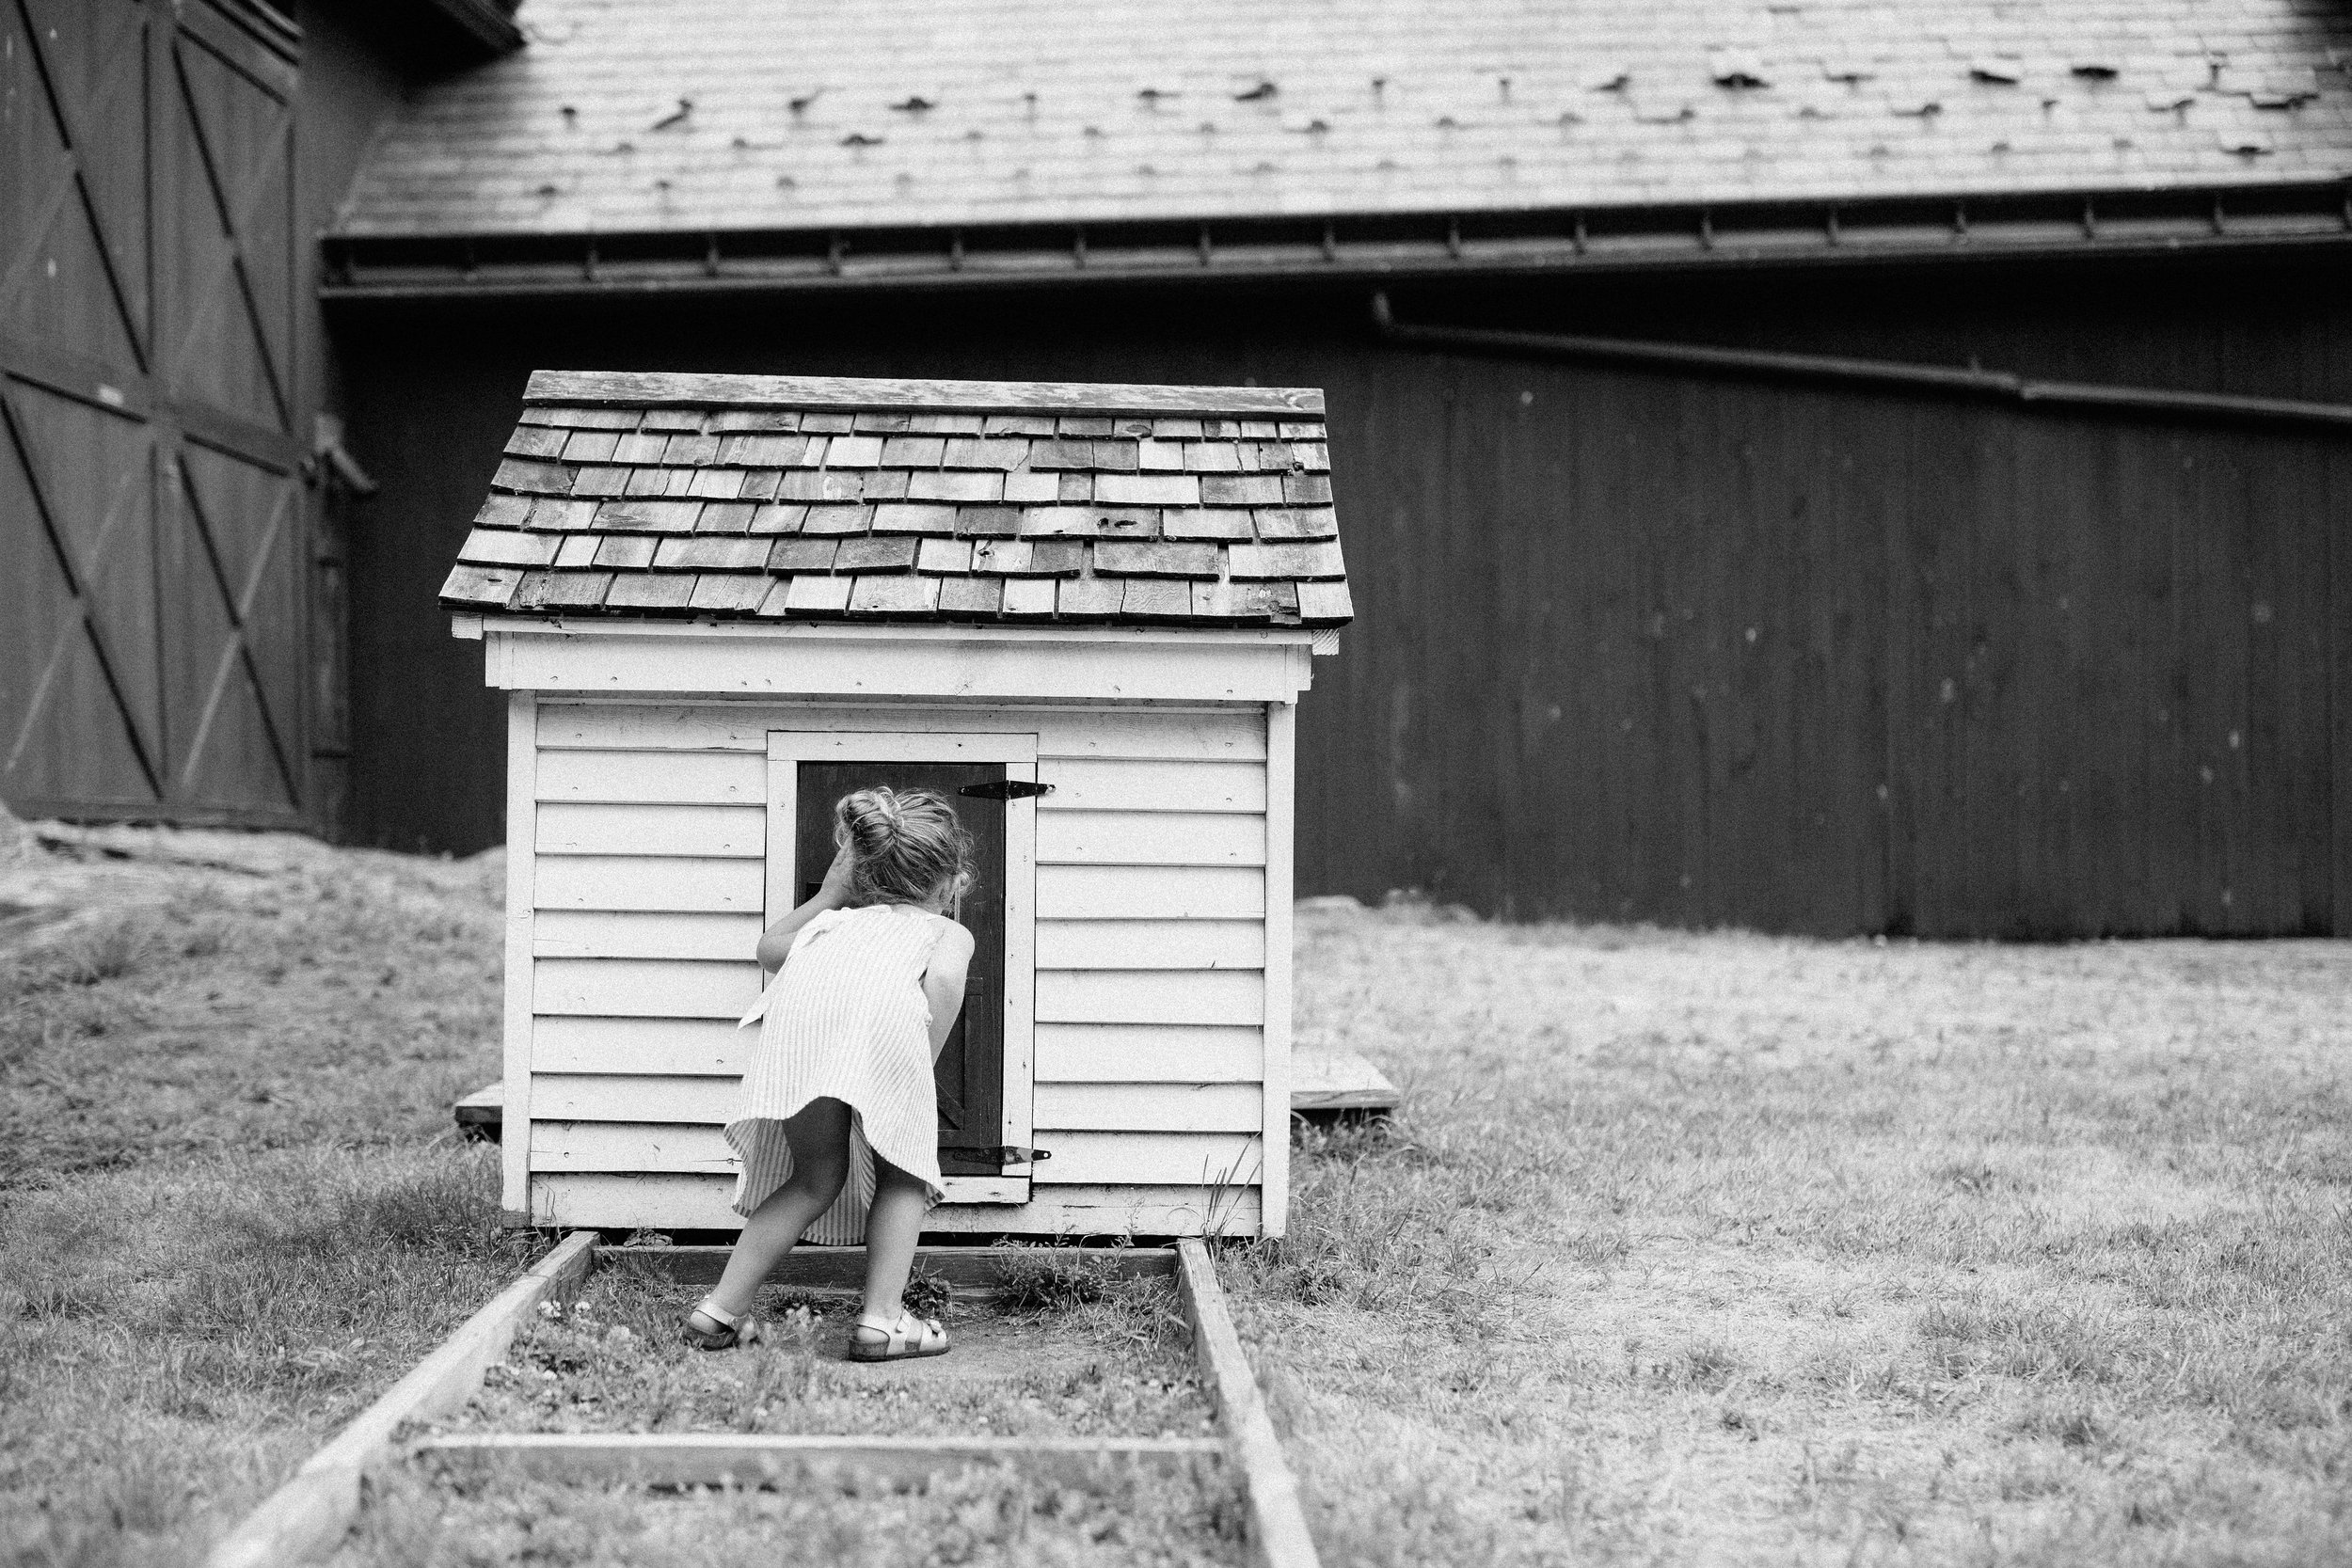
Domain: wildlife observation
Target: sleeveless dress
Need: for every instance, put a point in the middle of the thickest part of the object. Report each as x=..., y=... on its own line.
x=845, y=1019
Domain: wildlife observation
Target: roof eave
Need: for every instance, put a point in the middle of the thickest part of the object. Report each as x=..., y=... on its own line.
x=1356, y=248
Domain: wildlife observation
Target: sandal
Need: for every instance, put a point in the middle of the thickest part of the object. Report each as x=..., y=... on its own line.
x=903, y=1341
x=733, y=1329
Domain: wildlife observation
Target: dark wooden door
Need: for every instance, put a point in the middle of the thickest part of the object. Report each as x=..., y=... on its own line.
x=970, y=1076
x=154, y=635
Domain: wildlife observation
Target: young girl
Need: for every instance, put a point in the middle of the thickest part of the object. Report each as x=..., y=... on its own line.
x=838, y=1117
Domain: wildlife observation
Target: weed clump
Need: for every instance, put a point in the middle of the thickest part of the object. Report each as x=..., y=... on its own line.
x=1043, y=1276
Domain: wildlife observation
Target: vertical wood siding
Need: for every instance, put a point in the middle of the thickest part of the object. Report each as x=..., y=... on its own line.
x=649, y=828
x=1635, y=645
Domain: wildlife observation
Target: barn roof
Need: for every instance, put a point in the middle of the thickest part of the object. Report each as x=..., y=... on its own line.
x=786, y=498
x=725, y=116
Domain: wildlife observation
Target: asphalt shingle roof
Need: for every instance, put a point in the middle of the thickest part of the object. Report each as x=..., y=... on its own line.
x=735, y=115
x=780, y=498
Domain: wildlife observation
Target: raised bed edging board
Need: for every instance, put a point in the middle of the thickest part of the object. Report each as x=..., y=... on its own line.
x=305, y=1518
x=722, y=1458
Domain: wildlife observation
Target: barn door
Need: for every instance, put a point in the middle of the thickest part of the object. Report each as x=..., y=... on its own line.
x=153, y=622
x=982, y=1078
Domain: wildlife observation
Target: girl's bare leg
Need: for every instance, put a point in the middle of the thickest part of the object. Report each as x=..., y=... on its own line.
x=820, y=1136
x=892, y=1227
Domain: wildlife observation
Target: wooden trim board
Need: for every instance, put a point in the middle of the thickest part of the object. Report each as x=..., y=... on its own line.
x=658, y=389
x=1278, y=1527
x=304, y=1519
x=719, y=1458
x=971, y=1271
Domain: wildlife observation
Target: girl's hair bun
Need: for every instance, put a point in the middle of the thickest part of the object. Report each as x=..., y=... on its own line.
x=907, y=844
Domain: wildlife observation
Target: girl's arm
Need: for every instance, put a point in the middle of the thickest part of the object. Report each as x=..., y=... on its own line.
x=775, y=943
x=942, y=983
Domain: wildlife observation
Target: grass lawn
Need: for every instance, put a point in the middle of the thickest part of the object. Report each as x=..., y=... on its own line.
x=1714, y=1247
x=1689, y=1248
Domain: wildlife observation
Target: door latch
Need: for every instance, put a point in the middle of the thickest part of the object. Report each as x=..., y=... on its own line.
x=1006, y=789
x=1000, y=1154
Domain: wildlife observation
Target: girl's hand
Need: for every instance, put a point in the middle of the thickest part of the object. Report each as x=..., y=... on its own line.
x=836, y=888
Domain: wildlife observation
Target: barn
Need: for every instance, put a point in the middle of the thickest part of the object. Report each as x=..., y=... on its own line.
x=1810, y=466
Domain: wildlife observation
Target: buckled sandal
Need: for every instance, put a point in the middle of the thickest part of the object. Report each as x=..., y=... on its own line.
x=903, y=1341
x=734, y=1329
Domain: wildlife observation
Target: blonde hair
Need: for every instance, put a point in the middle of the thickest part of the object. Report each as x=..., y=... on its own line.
x=906, y=845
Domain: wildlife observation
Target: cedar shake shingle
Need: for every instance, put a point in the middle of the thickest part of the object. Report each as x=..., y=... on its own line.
x=694, y=507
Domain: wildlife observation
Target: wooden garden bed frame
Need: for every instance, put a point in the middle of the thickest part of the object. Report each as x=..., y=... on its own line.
x=305, y=1519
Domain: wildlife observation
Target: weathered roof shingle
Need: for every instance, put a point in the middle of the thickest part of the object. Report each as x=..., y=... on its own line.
x=727, y=116
x=784, y=498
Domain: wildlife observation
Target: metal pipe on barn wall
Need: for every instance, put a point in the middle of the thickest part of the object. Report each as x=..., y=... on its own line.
x=2001, y=385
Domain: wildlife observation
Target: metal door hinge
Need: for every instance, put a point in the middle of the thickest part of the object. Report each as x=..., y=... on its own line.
x=1006, y=789
x=999, y=1154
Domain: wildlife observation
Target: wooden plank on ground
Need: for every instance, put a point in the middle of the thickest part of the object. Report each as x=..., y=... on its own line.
x=1278, y=1526
x=305, y=1518
x=768, y=1459
x=970, y=1270
x=1341, y=1081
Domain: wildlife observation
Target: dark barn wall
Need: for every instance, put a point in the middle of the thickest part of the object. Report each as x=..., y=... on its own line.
x=1631, y=644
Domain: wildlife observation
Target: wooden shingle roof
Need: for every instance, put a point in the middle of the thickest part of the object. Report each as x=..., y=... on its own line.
x=780, y=498
x=729, y=115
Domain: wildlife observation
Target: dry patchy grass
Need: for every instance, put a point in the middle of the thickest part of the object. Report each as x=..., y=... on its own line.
x=1690, y=1248
x=1118, y=1366
x=231, y=1210
x=973, y=1519
x=1717, y=1247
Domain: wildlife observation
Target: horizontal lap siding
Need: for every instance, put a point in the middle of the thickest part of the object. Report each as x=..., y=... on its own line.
x=687, y=1202
x=1151, y=944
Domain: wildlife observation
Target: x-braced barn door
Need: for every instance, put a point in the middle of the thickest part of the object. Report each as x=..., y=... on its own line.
x=983, y=1077
x=152, y=515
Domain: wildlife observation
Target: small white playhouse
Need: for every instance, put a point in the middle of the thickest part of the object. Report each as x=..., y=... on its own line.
x=1086, y=612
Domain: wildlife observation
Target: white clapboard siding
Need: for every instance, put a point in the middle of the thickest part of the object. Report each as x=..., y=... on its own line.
x=1205, y=1159
x=1202, y=1159
x=1151, y=945
x=1103, y=1107
x=614, y=934
x=674, y=1046
x=649, y=882
x=632, y=1097
x=674, y=778
x=645, y=988
x=1061, y=731
x=1149, y=1054
x=1150, y=891
x=1130, y=1108
x=1150, y=996
x=668, y=1202
x=1134, y=784
x=1150, y=838
x=732, y=831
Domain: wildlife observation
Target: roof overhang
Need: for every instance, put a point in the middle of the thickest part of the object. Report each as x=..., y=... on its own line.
x=1343, y=247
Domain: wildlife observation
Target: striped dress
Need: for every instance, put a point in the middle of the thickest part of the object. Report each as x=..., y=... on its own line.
x=845, y=1018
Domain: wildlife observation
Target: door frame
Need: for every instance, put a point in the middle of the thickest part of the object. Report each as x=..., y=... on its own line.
x=788, y=749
